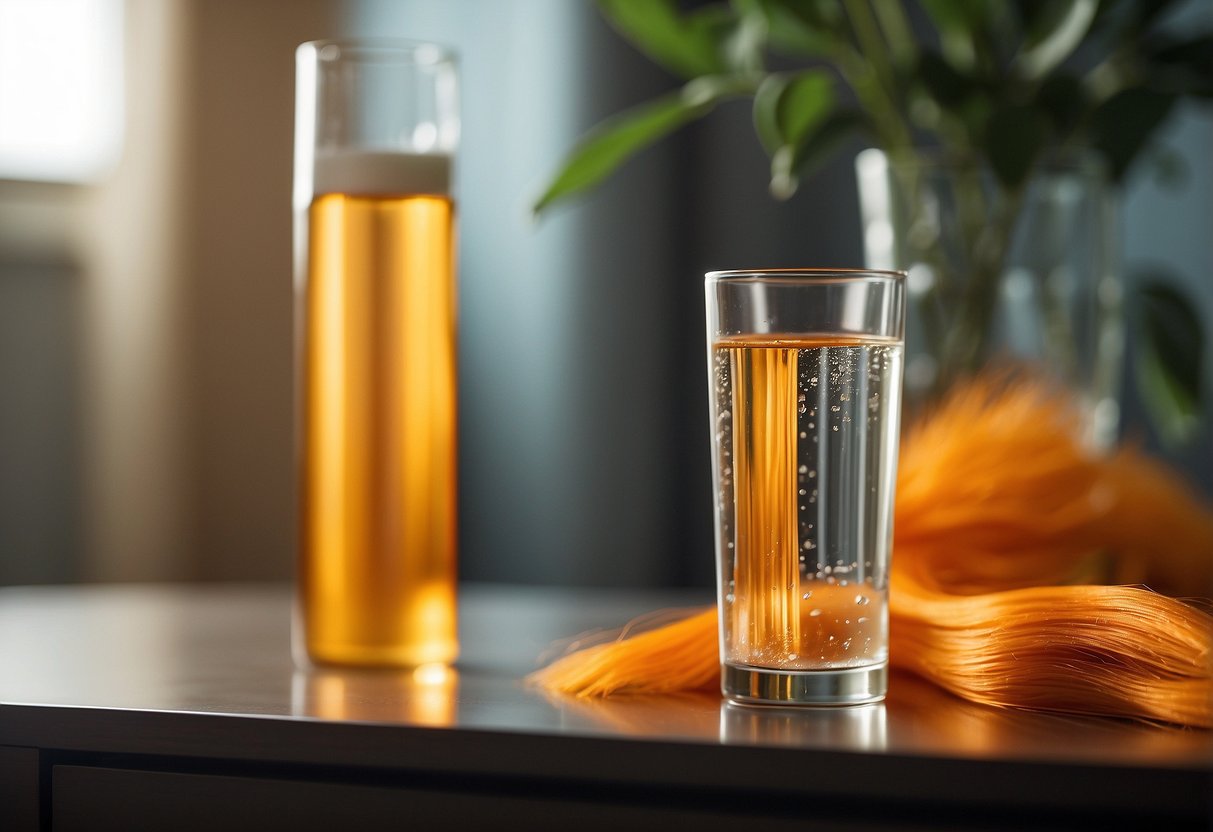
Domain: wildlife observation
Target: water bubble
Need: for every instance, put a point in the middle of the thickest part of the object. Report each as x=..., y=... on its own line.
x=806, y=596
x=813, y=613
x=846, y=645
x=792, y=657
x=862, y=600
x=833, y=428
x=810, y=545
x=812, y=474
x=730, y=598
x=804, y=469
x=834, y=408
x=863, y=619
x=802, y=492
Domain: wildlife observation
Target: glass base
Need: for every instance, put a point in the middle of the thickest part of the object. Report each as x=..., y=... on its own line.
x=767, y=686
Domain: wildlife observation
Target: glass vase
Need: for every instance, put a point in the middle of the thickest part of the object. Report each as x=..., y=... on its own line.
x=1024, y=277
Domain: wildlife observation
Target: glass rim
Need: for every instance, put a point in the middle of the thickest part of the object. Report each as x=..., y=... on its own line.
x=379, y=49
x=807, y=276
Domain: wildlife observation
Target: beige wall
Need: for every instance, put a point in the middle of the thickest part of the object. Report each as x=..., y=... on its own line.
x=187, y=411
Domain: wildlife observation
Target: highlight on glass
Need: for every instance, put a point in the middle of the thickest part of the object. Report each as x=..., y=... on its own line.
x=805, y=374
x=377, y=129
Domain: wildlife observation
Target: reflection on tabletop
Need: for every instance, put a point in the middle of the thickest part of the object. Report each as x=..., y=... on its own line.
x=917, y=717
x=427, y=695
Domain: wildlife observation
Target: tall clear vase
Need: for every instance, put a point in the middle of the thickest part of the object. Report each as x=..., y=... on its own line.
x=1025, y=277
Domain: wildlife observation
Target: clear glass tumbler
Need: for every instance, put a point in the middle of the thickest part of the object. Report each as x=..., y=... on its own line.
x=377, y=128
x=805, y=372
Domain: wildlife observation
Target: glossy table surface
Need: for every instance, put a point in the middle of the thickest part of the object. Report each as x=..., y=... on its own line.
x=206, y=671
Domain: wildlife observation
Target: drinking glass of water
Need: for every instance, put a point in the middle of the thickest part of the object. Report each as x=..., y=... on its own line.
x=805, y=370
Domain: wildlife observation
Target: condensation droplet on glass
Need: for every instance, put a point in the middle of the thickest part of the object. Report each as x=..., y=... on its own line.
x=862, y=600
x=813, y=613
x=806, y=596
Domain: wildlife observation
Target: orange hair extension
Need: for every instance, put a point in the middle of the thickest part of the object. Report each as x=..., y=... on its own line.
x=998, y=506
x=678, y=656
x=1107, y=650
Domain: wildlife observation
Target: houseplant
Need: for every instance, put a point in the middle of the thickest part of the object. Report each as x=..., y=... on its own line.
x=1001, y=90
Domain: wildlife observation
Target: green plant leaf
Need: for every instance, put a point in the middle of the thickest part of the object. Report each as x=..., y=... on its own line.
x=788, y=107
x=959, y=23
x=798, y=27
x=1053, y=32
x=611, y=143
x=1014, y=138
x=1122, y=125
x=790, y=163
x=746, y=42
x=943, y=82
x=688, y=45
x=1182, y=66
x=1169, y=360
x=766, y=111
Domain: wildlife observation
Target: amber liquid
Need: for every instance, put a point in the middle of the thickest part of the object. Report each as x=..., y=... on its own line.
x=806, y=445
x=378, y=431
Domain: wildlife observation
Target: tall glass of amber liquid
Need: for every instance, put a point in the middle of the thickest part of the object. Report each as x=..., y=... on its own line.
x=804, y=372
x=377, y=128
